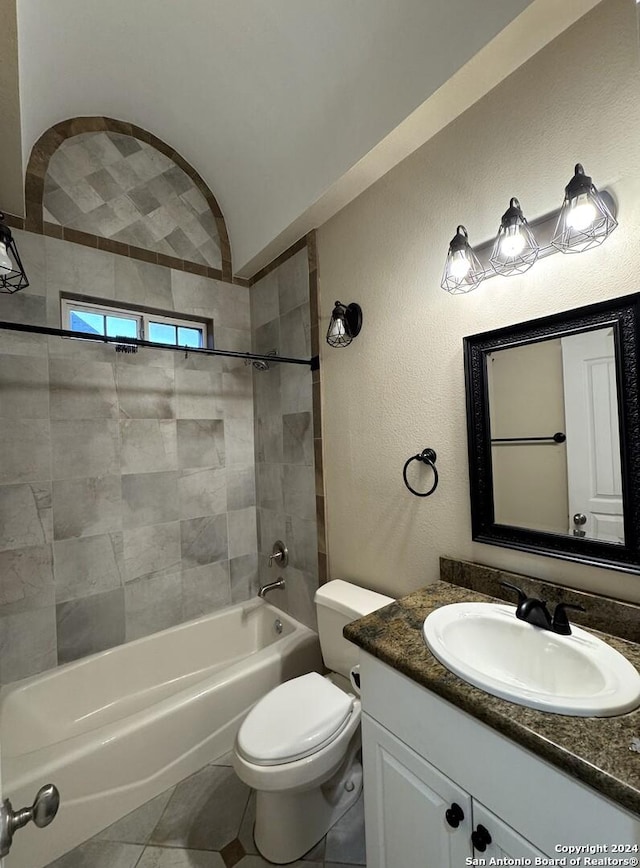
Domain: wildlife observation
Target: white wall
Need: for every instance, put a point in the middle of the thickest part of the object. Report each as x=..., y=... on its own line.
x=400, y=386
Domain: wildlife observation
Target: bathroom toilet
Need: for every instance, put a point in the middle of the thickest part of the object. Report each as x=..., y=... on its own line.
x=299, y=746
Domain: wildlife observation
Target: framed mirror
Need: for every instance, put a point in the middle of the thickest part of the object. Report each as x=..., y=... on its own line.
x=554, y=435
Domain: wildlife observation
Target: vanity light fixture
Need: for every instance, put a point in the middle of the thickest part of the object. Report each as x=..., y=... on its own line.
x=12, y=273
x=462, y=270
x=585, y=219
x=345, y=325
x=516, y=248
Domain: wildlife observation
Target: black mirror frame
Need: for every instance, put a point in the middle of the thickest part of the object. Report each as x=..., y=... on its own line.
x=623, y=315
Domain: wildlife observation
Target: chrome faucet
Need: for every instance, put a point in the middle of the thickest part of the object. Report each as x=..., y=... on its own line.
x=272, y=586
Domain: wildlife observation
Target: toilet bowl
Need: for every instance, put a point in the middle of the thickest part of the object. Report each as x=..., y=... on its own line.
x=299, y=747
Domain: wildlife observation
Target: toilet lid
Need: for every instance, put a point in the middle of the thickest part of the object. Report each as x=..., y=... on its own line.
x=294, y=720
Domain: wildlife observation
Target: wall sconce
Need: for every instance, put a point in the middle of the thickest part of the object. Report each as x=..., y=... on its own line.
x=12, y=274
x=584, y=220
x=345, y=325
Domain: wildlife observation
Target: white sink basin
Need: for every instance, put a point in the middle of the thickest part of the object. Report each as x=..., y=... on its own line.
x=486, y=645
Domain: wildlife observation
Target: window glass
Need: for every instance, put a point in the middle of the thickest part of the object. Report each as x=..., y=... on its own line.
x=121, y=327
x=162, y=333
x=189, y=337
x=83, y=321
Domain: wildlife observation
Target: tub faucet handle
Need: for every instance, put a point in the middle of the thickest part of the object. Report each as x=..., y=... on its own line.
x=42, y=812
x=279, y=554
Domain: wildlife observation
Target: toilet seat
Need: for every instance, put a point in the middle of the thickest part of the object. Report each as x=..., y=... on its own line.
x=295, y=720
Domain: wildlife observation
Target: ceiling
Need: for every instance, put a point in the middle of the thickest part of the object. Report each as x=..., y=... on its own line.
x=274, y=102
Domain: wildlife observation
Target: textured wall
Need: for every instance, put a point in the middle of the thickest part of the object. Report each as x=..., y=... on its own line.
x=127, y=487
x=400, y=386
x=285, y=476
x=117, y=187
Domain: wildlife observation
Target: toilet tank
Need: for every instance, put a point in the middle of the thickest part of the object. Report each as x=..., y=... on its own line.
x=338, y=603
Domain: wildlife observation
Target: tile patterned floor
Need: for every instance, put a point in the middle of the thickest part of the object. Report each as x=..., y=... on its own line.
x=175, y=830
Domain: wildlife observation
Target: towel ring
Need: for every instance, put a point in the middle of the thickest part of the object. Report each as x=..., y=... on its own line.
x=427, y=456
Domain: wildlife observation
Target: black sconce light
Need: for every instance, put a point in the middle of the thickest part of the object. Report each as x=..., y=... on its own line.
x=12, y=274
x=462, y=270
x=515, y=249
x=345, y=325
x=585, y=220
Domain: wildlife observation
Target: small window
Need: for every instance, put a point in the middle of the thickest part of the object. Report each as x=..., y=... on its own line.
x=88, y=318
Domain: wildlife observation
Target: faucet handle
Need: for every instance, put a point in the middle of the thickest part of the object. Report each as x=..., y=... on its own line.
x=522, y=597
x=279, y=554
x=560, y=622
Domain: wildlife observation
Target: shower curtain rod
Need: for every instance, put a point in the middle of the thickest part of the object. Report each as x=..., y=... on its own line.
x=314, y=362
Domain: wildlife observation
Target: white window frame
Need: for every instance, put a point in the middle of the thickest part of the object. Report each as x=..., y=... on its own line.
x=143, y=318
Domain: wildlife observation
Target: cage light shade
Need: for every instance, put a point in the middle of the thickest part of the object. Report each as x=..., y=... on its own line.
x=515, y=249
x=585, y=220
x=12, y=274
x=345, y=324
x=462, y=270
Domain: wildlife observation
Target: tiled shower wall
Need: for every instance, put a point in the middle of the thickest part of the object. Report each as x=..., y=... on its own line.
x=127, y=484
x=285, y=477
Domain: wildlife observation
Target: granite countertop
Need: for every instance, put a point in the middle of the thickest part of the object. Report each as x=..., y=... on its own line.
x=595, y=750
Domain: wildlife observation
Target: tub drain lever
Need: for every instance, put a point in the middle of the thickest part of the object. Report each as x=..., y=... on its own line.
x=42, y=812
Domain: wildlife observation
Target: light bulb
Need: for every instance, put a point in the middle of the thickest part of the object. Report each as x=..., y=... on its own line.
x=582, y=213
x=513, y=242
x=6, y=265
x=459, y=265
x=337, y=329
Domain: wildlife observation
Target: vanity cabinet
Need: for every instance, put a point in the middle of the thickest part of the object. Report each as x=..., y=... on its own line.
x=421, y=754
x=416, y=817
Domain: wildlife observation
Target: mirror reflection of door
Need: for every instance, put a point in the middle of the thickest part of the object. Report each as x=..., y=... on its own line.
x=593, y=439
x=536, y=391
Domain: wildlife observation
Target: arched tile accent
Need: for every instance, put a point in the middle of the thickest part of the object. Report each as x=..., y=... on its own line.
x=36, y=173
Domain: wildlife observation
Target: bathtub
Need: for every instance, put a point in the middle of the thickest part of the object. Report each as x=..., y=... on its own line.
x=117, y=728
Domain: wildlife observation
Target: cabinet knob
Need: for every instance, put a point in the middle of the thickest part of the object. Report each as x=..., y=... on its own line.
x=454, y=815
x=480, y=837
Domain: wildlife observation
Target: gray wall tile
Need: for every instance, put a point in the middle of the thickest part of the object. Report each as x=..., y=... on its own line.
x=199, y=395
x=148, y=445
x=201, y=443
x=297, y=438
x=299, y=488
x=26, y=450
x=88, y=565
x=244, y=577
x=24, y=386
x=90, y=624
x=293, y=282
x=239, y=442
x=150, y=498
x=241, y=487
x=25, y=515
x=205, y=589
x=151, y=549
x=145, y=392
x=202, y=491
x=82, y=390
x=85, y=507
x=26, y=579
x=204, y=540
x=243, y=539
x=83, y=448
x=27, y=643
x=152, y=603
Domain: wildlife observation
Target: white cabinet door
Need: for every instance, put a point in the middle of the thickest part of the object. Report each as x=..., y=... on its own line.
x=406, y=800
x=505, y=841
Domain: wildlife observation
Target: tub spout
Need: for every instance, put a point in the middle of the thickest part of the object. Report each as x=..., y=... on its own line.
x=272, y=586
